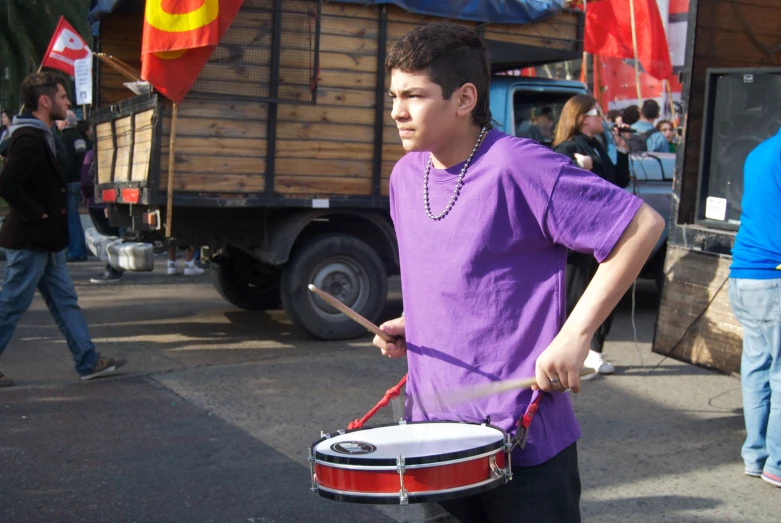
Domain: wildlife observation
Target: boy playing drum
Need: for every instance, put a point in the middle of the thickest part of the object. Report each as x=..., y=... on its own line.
x=483, y=222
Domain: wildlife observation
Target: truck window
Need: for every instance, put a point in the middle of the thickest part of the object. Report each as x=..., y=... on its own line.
x=536, y=114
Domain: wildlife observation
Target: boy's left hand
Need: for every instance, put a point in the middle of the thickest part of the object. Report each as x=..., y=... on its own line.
x=558, y=367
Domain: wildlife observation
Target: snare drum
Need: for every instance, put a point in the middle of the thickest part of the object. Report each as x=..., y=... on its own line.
x=410, y=462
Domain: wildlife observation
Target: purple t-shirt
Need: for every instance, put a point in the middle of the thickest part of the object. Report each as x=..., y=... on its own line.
x=483, y=288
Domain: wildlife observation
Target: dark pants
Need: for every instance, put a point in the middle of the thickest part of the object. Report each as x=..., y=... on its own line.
x=103, y=226
x=549, y=493
x=580, y=270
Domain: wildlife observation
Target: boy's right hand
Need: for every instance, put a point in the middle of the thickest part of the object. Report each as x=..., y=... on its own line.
x=397, y=348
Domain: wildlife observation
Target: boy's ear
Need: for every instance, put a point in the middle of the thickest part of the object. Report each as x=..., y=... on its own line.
x=467, y=99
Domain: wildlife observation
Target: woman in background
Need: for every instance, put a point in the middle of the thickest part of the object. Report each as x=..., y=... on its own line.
x=579, y=125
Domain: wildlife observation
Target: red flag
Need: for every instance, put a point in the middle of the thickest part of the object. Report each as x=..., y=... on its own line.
x=179, y=37
x=66, y=47
x=609, y=33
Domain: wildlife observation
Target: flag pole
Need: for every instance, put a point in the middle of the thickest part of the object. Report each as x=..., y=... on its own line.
x=670, y=99
x=584, y=60
x=634, y=48
x=171, y=150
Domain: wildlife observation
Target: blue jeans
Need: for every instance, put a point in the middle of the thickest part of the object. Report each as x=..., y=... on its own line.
x=757, y=306
x=77, y=246
x=48, y=272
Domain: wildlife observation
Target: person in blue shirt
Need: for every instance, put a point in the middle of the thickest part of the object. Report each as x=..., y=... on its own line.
x=755, y=298
x=655, y=141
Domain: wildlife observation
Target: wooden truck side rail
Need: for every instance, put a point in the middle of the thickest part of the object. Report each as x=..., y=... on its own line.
x=254, y=151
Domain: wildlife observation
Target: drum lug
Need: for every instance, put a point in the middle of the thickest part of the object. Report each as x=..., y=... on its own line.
x=311, y=460
x=508, y=449
x=403, y=499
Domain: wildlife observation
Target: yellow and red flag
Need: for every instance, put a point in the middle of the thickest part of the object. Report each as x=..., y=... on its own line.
x=179, y=36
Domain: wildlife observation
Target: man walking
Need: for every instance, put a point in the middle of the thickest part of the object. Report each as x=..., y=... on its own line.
x=35, y=232
x=755, y=297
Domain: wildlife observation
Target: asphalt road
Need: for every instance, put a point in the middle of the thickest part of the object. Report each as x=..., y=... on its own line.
x=211, y=419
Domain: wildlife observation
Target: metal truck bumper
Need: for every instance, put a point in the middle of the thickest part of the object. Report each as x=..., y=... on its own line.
x=130, y=256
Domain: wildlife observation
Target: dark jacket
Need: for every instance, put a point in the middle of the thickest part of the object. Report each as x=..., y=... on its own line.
x=75, y=147
x=617, y=174
x=33, y=184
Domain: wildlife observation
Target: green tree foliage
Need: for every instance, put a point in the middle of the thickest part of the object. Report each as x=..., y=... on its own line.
x=26, y=27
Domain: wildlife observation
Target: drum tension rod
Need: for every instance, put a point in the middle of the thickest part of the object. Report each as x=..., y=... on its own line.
x=313, y=489
x=403, y=499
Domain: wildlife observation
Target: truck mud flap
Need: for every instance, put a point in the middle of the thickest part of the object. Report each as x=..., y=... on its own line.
x=130, y=256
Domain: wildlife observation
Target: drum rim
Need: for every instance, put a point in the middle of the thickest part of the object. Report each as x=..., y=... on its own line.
x=326, y=459
x=412, y=497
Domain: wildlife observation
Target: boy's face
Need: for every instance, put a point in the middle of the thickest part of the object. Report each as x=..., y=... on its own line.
x=424, y=118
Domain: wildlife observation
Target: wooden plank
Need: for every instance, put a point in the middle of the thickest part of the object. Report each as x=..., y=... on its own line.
x=355, y=27
x=237, y=54
x=313, y=114
x=235, y=73
x=348, y=44
x=343, y=61
x=206, y=127
x=351, y=79
x=330, y=9
x=207, y=164
x=123, y=130
x=142, y=145
x=765, y=20
x=345, y=97
x=393, y=152
x=385, y=187
x=387, y=169
x=215, y=73
x=324, y=150
x=695, y=321
x=326, y=131
x=390, y=136
x=309, y=167
x=322, y=185
x=222, y=146
x=105, y=152
x=224, y=183
x=234, y=109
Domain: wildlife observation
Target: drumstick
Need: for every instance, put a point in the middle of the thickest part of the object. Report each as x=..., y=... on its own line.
x=347, y=311
x=489, y=389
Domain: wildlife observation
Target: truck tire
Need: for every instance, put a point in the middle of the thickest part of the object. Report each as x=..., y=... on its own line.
x=345, y=267
x=246, y=283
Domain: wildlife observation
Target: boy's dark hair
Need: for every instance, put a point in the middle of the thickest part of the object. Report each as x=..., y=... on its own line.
x=630, y=115
x=612, y=114
x=650, y=110
x=39, y=84
x=452, y=55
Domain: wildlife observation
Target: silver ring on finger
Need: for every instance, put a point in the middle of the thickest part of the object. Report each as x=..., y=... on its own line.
x=554, y=381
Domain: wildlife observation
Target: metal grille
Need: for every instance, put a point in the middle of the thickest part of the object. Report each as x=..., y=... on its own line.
x=242, y=65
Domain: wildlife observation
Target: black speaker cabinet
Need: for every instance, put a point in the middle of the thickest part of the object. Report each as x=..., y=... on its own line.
x=742, y=109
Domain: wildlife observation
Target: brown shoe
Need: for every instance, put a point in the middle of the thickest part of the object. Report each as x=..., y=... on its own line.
x=5, y=381
x=104, y=367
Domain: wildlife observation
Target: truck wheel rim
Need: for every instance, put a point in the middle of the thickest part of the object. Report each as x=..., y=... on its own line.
x=343, y=279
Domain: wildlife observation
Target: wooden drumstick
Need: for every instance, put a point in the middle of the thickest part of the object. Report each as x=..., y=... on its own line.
x=347, y=311
x=497, y=387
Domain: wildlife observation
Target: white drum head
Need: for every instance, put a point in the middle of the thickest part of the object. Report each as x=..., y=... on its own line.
x=423, y=440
